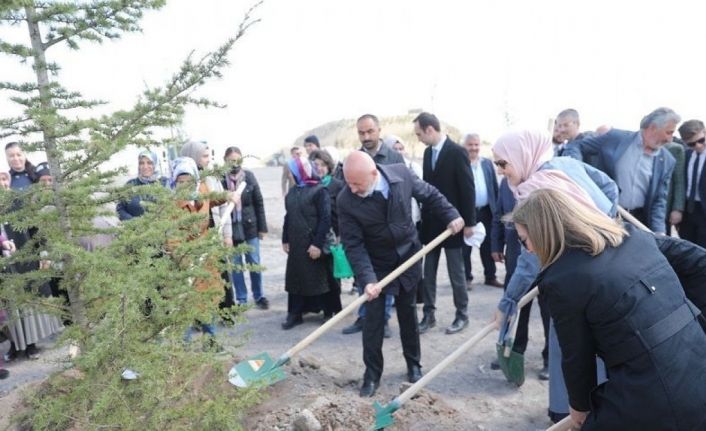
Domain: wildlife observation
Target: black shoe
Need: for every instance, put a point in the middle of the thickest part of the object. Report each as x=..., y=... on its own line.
x=357, y=326
x=292, y=321
x=262, y=303
x=495, y=365
x=368, y=389
x=543, y=374
x=11, y=354
x=458, y=326
x=414, y=373
x=4, y=373
x=387, y=332
x=428, y=322
x=32, y=352
x=493, y=282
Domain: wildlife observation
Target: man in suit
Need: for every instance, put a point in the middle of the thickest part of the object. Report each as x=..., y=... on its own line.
x=368, y=127
x=378, y=235
x=676, y=197
x=486, y=188
x=693, y=224
x=638, y=164
x=446, y=168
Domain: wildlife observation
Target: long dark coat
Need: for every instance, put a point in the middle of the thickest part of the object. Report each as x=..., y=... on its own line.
x=306, y=222
x=613, y=305
x=453, y=178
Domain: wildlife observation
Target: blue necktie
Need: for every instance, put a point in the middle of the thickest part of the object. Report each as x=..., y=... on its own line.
x=434, y=155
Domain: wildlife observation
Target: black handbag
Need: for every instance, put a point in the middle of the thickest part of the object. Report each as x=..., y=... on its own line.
x=238, y=231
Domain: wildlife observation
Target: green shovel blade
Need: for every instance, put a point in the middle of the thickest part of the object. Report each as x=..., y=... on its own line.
x=383, y=414
x=513, y=366
x=257, y=370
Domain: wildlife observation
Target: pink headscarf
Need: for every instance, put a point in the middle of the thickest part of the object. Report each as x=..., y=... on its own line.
x=527, y=151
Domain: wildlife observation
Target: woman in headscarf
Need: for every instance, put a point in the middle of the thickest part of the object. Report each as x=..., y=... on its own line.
x=27, y=326
x=612, y=293
x=147, y=173
x=185, y=177
x=526, y=159
x=324, y=164
x=306, y=223
x=249, y=226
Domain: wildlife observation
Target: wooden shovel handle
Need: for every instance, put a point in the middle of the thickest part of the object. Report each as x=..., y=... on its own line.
x=631, y=218
x=565, y=424
x=353, y=305
x=438, y=368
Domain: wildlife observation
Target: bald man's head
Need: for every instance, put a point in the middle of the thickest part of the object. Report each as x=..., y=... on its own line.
x=360, y=173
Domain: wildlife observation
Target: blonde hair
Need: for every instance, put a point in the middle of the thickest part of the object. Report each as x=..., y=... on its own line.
x=555, y=221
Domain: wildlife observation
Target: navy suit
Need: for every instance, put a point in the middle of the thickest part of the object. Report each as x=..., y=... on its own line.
x=609, y=148
x=693, y=225
x=484, y=215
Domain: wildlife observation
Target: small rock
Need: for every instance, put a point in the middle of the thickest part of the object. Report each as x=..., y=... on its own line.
x=310, y=362
x=306, y=421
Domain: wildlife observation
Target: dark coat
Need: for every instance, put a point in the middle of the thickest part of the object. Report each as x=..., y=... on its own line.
x=609, y=148
x=133, y=208
x=306, y=222
x=502, y=234
x=453, y=178
x=613, y=305
x=491, y=182
x=702, y=181
x=253, y=207
x=376, y=245
x=688, y=261
x=334, y=188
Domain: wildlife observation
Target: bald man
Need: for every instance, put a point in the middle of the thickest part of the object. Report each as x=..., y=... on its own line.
x=378, y=234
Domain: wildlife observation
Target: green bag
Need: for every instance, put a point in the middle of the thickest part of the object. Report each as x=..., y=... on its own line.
x=341, y=266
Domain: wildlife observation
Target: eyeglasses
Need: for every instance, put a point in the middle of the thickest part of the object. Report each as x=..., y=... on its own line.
x=698, y=141
x=523, y=241
x=501, y=163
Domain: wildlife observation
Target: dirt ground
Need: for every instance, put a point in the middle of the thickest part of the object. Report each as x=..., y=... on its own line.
x=322, y=382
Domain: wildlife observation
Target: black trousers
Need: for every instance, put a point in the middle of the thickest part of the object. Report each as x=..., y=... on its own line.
x=485, y=216
x=373, y=331
x=693, y=225
x=641, y=215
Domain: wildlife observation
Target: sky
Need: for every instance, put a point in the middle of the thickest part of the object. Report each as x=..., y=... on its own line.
x=480, y=65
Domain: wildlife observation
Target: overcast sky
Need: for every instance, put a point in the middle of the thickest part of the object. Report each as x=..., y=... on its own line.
x=472, y=63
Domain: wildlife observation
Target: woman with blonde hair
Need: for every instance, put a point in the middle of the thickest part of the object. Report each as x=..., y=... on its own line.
x=612, y=293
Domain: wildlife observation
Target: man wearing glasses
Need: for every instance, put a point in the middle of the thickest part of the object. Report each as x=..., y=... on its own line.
x=693, y=225
x=638, y=164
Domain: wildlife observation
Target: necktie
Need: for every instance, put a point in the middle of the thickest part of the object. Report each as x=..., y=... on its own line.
x=694, y=184
x=434, y=155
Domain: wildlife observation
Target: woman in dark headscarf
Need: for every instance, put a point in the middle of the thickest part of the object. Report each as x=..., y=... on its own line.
x=324, y=168
x=306, y=223
x=147, y=173
x=27, y=326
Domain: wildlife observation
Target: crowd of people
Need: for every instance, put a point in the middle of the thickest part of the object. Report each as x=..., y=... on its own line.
x=615, y=301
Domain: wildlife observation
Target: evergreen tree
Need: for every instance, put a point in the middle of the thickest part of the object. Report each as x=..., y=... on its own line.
x=130, y=302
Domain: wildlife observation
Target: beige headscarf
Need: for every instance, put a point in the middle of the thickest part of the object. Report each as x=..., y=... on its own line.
x=527, y=151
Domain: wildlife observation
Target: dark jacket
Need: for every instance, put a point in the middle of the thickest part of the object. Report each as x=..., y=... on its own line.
x=377, y=244
x=491, y=182
x=133, y=208
x=614, y=305
x=334, y=188
x=688, y=261
x=253, y=207
x=701, y=192
x=609, y=148
x=500, y=233
x=453, y=178
x=385, y=156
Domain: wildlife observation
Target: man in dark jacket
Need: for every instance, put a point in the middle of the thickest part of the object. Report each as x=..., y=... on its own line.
x=368, y=127
x=378, y=234
x=446, y=168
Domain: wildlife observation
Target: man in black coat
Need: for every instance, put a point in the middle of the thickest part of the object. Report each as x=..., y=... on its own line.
x=378, y=235
x=446, y=168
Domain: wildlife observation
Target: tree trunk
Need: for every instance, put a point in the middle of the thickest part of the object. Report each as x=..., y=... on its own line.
x=54, y=157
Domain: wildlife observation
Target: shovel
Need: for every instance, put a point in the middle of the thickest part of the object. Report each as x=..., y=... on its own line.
x=512, y=363
x=565, y=424
x=263, y=370
x=383, y=414
x=631, y=218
